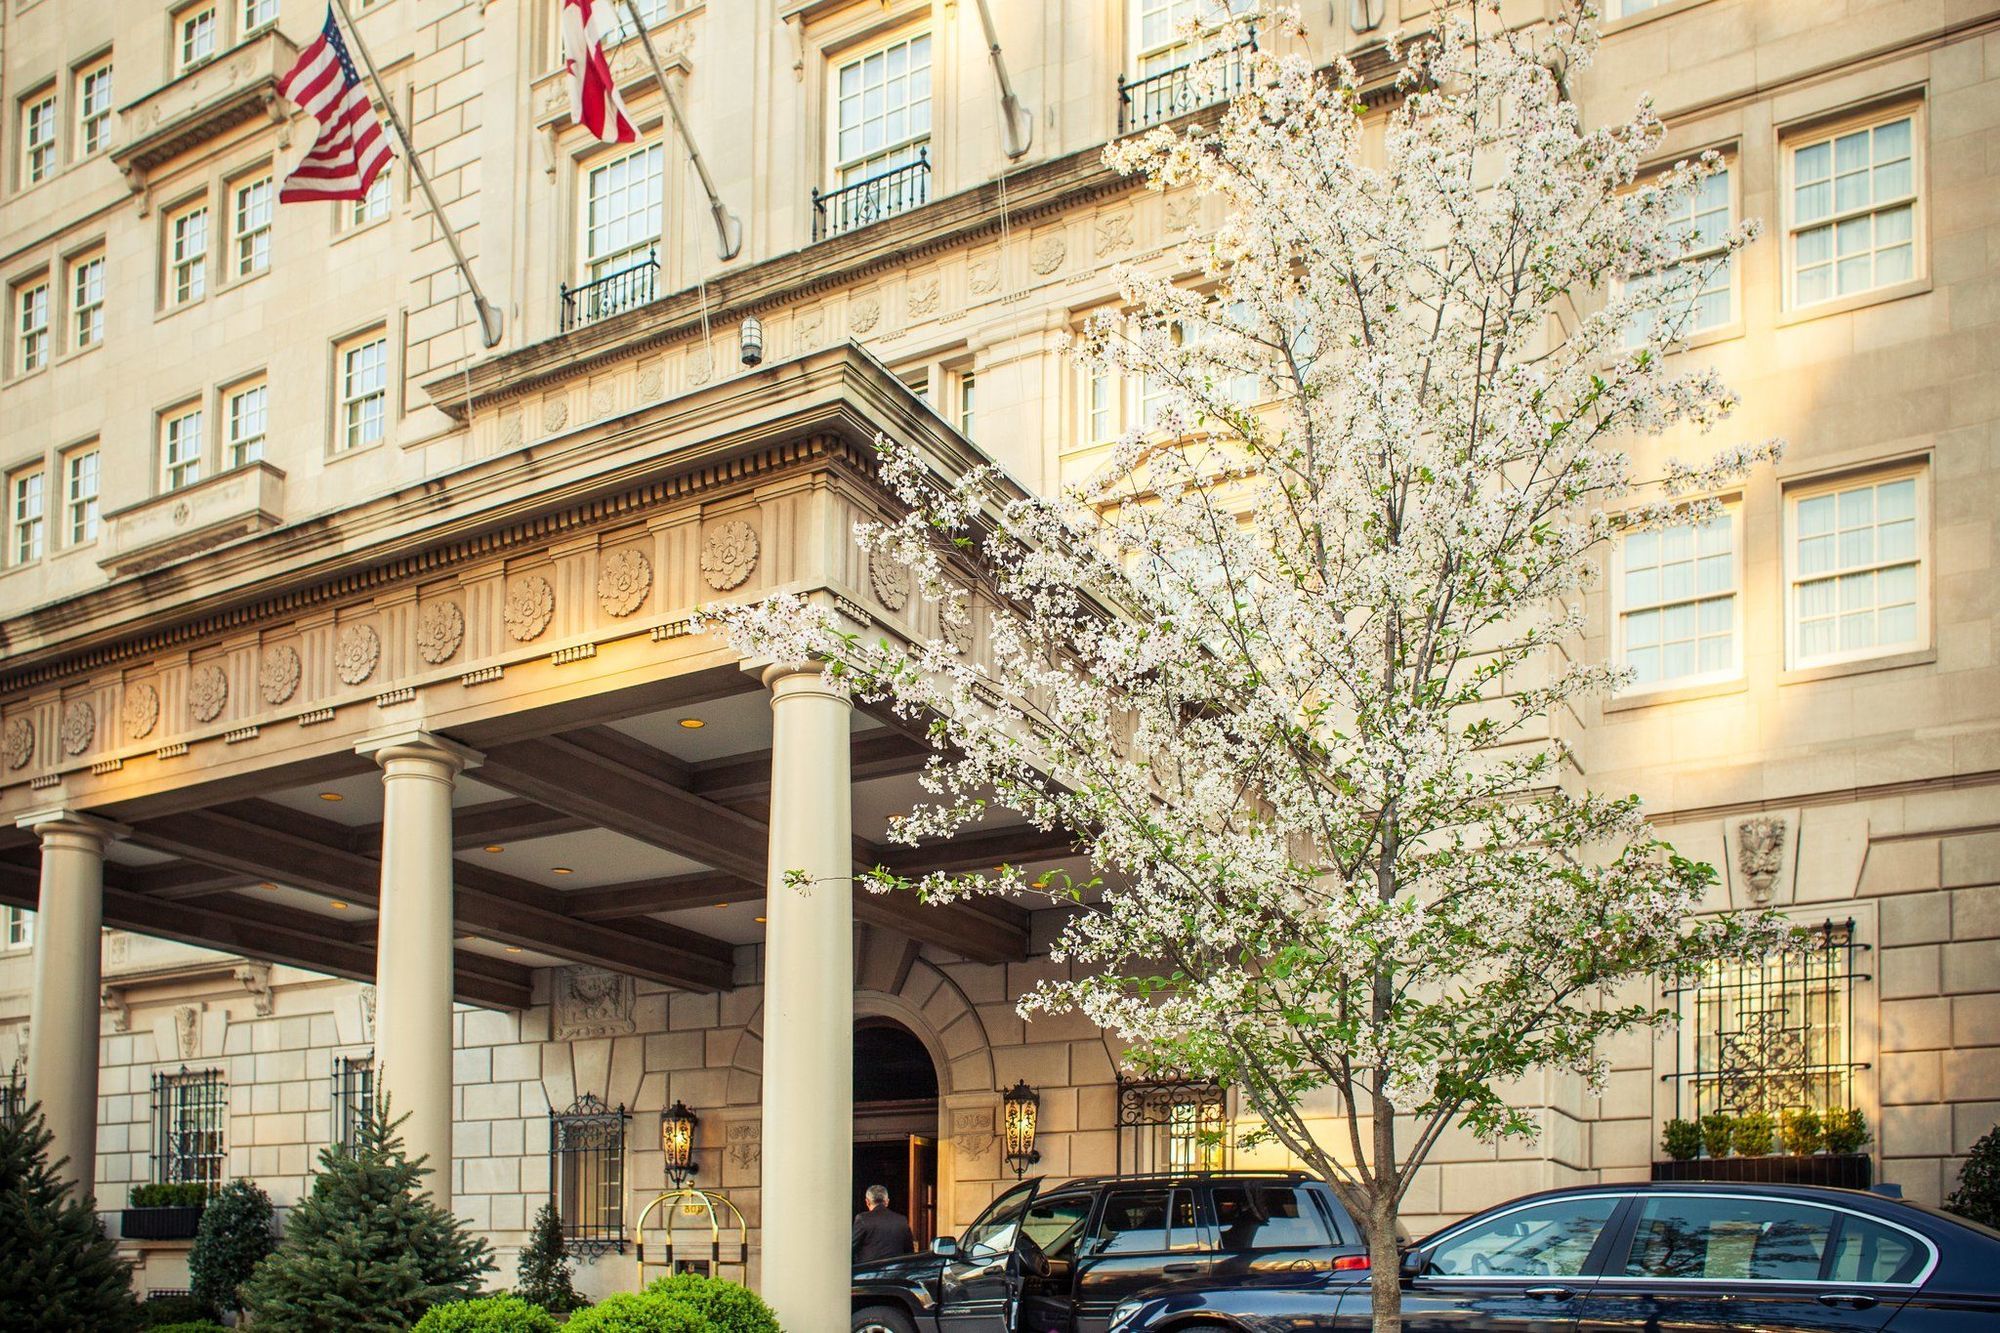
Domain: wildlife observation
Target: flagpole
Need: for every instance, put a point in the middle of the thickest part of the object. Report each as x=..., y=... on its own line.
x=728, y=227
x=490, y=321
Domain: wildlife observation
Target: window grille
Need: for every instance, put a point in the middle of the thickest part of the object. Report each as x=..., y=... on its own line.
x=188, y=1115
x=1171, y=1124
x=353, y=1093
x=587, y=1175
x=1774, y=1035
x=13, y=1094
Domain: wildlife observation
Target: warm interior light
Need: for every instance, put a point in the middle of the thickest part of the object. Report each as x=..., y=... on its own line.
x=1020, y=1109
x=337, y=905
x=677, y=1142
x=331, y=796
x=513, y=948
x=495, y=847
x=267, y=884
x=693, y=723
x=563, y=870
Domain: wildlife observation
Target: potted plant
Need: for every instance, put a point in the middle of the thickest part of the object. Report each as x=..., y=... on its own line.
x=1799, y=1129
x=1752, y=1135
x=164, y=1211
x=1681, y=1140
x=1718, y=1131
x=1844, y=1129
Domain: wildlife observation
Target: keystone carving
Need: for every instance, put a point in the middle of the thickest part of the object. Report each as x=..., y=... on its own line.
x=440, y=630
x=278, y=678
x=729, y=554
x=79, y=726
x=256, y=979
x=864, y=314
x=531, y=604
x=1048, y=254
x=360, y=648
x=623, y=581
x=1760, y=853
x=187, y=1031
x=112, y=998
x=208, y=691
x=142, y=710
x=592, y=1002
x=890, y=578
x=368, y=1013
x=18, y=741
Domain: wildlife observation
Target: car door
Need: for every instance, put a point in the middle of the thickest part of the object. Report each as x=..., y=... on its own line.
x=1055, y=1223
x=1525, y=1267
x=1264, y=1227
x=978, y=1286
x=1145, y=1239
x=1714, y=1260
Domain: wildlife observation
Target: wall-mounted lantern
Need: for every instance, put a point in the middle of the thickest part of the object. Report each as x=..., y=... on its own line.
x=1019, y=1111
x=677, y=1142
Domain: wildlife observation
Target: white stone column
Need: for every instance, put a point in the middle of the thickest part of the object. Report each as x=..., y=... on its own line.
x=63, y=1011
x=808, y=1007
x=413, y=958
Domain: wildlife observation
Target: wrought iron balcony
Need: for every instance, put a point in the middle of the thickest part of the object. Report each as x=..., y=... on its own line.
x=632, y=286
x=897, y=190
x=1143, y=103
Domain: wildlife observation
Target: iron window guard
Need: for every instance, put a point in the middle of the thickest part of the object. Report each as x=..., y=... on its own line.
x=13, y=1094
x=188, y=1117
x=353, y=1093
x=883, y=195
x=1159, y=1116
x=625, y=289
x=1156, y=98
x=587, y=1175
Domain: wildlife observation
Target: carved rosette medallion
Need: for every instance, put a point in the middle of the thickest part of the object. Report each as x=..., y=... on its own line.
x=79, y=726
x=890, y=578
x=623, y=581
x=958, y=632
x=531, y=604
x=864, y=314
x=592, y=1002
x=355, y=656
x=278, y=678
x=142, y=710
x=1048, y=253
x=555, y=414
x=440, y=630
x=18, y=741
x=208, y=691
x=729, y=554
x=651, y=382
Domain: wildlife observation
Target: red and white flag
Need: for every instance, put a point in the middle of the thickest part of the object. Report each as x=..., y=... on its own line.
x=593, y=94
x=351, y=147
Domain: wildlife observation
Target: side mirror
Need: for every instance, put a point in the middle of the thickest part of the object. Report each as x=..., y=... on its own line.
x=946, y=1246
x=1415, y=1264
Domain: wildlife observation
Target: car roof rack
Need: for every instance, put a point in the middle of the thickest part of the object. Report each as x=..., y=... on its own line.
x=1258, y=1173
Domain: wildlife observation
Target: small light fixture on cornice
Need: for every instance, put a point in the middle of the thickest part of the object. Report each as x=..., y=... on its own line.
x=337, y=905
x=693, y=723
x=751, y=340
x=331, y=796
x=562, y=870
x=495, y=847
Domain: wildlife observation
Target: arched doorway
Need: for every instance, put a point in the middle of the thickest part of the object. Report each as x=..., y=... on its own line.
x=895, y=1121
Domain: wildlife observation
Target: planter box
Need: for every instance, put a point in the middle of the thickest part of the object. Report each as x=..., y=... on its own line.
x=160, y=1223
x=1855, y=1171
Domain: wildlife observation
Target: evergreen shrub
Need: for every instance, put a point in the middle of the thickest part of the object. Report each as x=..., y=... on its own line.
x=544, y=1269
x=638, y=1312
x=488, y=1314
x=59, y=1272
x=730, y=1306
x=235, y=1236
x=1977, y=1197
x=165, y=1311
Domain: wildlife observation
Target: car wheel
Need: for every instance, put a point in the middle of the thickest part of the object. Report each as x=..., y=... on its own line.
x=882, y=1319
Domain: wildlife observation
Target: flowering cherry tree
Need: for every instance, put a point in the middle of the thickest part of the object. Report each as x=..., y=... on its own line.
x=1300, y=664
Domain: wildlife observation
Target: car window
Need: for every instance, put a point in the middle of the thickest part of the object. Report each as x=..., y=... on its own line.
x=1054, y=1223
x=1865, y=1251
x=993, y=1233
x=1266, y=1217
x=1726, y=1239
x=1550, y=1239
x=1147, y=1222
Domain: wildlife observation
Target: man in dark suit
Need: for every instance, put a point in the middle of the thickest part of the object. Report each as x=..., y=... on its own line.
x=881, y=1232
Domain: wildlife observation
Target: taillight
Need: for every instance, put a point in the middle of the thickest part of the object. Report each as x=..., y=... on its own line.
x=1350, y=1263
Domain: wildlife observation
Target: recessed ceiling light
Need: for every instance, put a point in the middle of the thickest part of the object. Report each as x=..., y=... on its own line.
x=563, y=870
x=267, y=884
x=760, y=920
x=337, y=905
x=495, y=847
x=513, y=948
x=331, y=796
x=693, y=723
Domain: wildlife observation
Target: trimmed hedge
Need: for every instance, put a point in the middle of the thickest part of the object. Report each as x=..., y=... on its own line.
x=730, y=1306
x=198, y=1326
x=177, y=1194
x=487, y=1314
x=640, y=1312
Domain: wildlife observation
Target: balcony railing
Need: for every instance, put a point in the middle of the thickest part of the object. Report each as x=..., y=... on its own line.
x=897, y=190
x=1143, y=103
x=589, y=302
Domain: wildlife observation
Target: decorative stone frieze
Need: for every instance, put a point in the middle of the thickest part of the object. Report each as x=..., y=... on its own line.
x=623, y=581
x=958, y=632
x=1048, y=253
x=972, y=1133
x=592, y=1002
x=700, y=367
x=142, y=710
x=1114, y=232
x=651, y=382
x=208, y=691
x=864, y=314
x=924, y=294
x=531, y=604
x=440, y=631
x=555, y=414
x=983, y=275
x=359, y=649
x=745, y=1143
x=729, y=554
x=79, y=726
x=18, y=741
x=1183, y=211
x=890, y=579
x=809, y=331
x=278, y=678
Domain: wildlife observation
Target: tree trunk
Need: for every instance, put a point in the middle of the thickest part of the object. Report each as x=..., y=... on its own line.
x=1385, y=1266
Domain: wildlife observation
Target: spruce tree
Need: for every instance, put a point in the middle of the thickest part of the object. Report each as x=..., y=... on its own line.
x=544, y=1269
x=58, y=1270
x=235, y=1236
x=366, y=1251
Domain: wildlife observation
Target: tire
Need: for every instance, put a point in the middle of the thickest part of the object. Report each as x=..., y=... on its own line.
x=882, y=1319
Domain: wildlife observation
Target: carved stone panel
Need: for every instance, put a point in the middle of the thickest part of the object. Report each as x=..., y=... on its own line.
x=355, y=656
x=142, y=710
x=1048, y=253
x=440, y=630
x=1762, y=852
x=983, y=275
x=79, y=726
x=972, y=1133
x=623, y=581
x=531, y=604
x=924, y=294
x=187, y=1031
x=890, y=578
x=208, y=691
x=729, y=554
x=1114, y=232
x=592, y=1002
x=864, y=314
x=746, y=1143
x=278, y=678
x=18, y=740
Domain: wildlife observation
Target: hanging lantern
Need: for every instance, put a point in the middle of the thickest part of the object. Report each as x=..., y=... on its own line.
x=1018, y=1113
x=677, y=1142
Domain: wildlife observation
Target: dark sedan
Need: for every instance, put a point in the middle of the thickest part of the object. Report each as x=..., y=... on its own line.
x=1639, y=1258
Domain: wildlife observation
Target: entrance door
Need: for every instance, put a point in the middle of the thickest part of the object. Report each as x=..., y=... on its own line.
x=906, y=1166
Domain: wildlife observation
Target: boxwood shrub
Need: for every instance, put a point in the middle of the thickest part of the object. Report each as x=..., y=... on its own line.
x=487, y=1314
x=639, y=1312
x=730, y=1306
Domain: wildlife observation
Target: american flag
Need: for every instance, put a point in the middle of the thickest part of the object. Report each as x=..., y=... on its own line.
x=593, y=92
x=351, y=147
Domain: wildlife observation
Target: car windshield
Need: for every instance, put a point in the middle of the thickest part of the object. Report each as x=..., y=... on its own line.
x=994, y=1232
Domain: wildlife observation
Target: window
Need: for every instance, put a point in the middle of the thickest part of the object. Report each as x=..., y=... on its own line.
x=1267, y=1217
x=181, y=446
x=1164, y=59
x=38, y=137
x=86, y=301
x=621, y=222
x=587, y=1174
x=188, y=1111
x=1859, y=585
x=1704, y=282
x=353, y=1093
x=364, y=392
x=198, y=35
x=1147, y=1222
x=31, y=305
x=1853, y=214
x=1677, y=607
x=27, y=516
x=373, y=206
x=1626, y=8
x=881, y=126
x=93, y=108
x=1159, y=28
x=992, y=1232
x=654, y=12
x=967, y=387
x=1551, y=1239
x=13, y=1088
x=246, y=421
x=1728, y=1238
x=251, y=216
x=1171, y=1124
x=19, y=924
x=187, y=254
x=1194, y=1136
x=257, y=14
x=1054, y=1223
x=80, y=496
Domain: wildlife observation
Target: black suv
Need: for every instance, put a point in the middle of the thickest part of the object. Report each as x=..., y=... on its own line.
x=1061, y=1256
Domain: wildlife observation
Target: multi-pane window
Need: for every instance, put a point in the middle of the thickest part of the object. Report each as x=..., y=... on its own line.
x=364, y=392
x=247, y=419
x=31, y=308
x=1703, y=283
x=38, y=137
x=181, y=440
x=372, y=206
x=1160, y=28
x=187, y=254
x=86, y=301
x=1677, y=602
x=251, y=218
x=1857, y=570
x=19, y=923
x=257, y=14
x=197, y=35
x=1627, y=8
x=587, y=1174
x=188, y=1117
x=353, y=1093
x=882, y=109
x=93, y=108
x=26, y=514
x=621, y=220
x=1853, y=214
x=80, y=484
x=654, y=12
x=968, y=386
